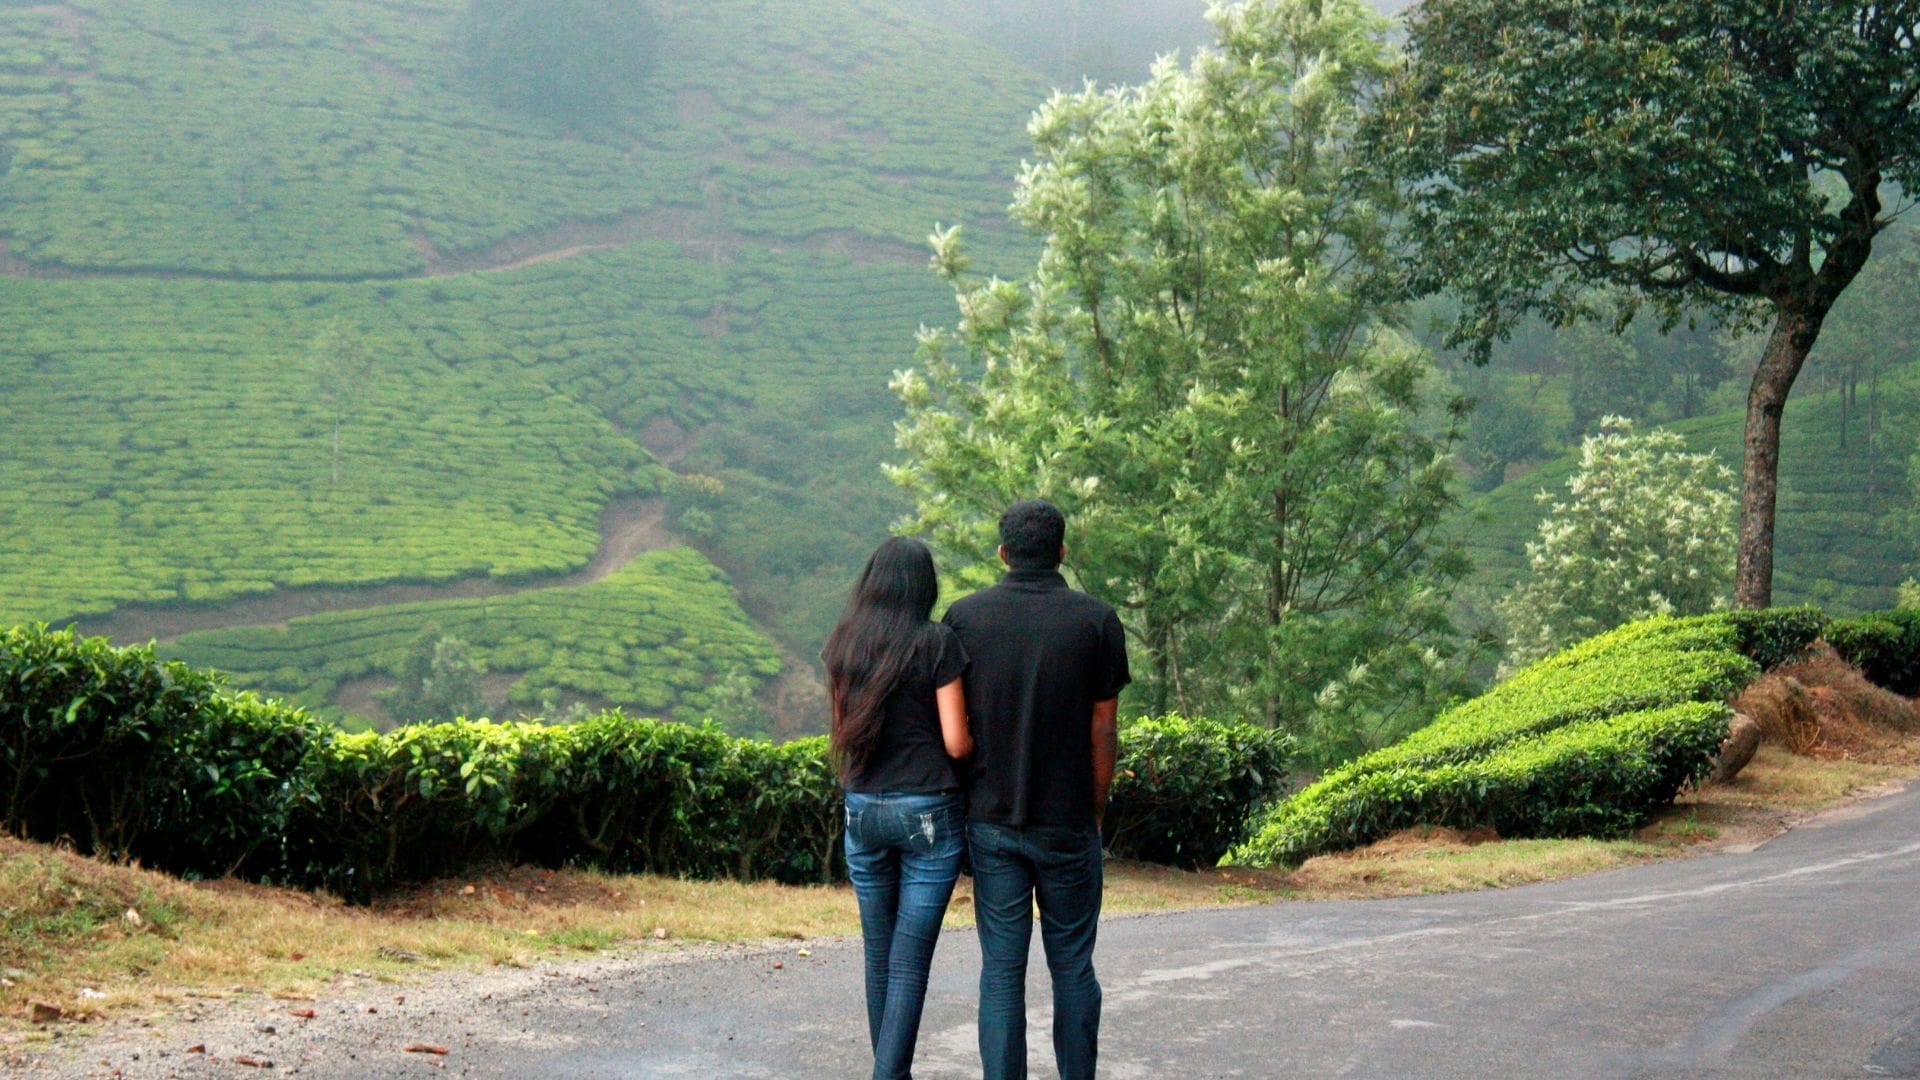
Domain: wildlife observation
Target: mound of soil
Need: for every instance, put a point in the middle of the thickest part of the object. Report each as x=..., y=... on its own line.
x=1823, y=706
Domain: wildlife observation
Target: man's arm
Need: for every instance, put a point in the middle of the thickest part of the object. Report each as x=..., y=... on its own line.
x=1106, y=751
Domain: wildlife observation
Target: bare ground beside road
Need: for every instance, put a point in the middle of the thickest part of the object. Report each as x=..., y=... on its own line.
x=1787, y=959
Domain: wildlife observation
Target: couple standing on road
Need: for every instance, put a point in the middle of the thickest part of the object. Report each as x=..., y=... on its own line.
x=991, y=733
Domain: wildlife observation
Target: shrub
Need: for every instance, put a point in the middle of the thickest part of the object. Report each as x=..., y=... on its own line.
x=1185, y=788
x=1590, y=739
x=133, y=757
x=1885, y=646
x=123, y=755
x=1597, y=778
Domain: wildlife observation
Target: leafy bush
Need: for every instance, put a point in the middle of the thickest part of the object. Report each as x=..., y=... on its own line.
x=1597, y=778
x=135, y=757
x=123, y=755
x=1885, y=646
x=1589, y=740
x=1910, y=594
x=1184, y=788
x=1777, y=635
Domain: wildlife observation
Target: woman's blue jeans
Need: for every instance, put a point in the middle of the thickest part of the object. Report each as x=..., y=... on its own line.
x=903, y=854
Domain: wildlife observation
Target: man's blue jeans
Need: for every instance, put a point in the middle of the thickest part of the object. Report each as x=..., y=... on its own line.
x=1061, y=868
x=903, y=855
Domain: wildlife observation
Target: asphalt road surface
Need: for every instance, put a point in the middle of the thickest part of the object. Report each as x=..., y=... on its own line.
x=1800, y=958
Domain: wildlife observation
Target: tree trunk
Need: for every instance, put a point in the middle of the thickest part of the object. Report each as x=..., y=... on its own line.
x=1794, y=331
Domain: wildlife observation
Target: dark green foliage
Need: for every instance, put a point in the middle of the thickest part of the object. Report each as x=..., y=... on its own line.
x=126, y=756
x=440, y=677
x=1776, y=636
x=1588, y=741
x=566, y=59
x=133, y=757
x=1184, y=788
x=1885, y=645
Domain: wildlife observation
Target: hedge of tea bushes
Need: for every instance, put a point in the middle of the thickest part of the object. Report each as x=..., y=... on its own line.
x=129, y=756
x=1587, y=742
x=1884, y=645
x=654, y=637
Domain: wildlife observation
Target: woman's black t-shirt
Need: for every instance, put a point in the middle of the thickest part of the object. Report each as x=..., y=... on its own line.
x=911, y=755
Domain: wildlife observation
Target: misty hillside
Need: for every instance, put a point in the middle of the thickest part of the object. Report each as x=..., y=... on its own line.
x=713, y=278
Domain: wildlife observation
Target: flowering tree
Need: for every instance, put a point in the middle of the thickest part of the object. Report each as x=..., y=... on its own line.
x=1646, y=529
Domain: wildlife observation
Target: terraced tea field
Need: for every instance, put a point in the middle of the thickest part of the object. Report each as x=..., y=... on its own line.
x=657, y=637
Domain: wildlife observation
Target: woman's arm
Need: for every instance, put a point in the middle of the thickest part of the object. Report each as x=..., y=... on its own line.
x=952, y=702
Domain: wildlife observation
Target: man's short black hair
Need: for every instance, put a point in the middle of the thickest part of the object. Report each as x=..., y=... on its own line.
x=1032, y=531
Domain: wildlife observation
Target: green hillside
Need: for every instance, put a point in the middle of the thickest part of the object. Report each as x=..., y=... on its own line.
x=657, y=637
x=722, y=278
x=1842, y=537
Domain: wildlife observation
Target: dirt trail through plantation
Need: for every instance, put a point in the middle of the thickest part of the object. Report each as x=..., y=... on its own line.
x=696, y=237
x=629, y=527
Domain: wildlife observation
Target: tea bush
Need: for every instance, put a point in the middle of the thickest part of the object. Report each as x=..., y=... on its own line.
x=1588, y=741
x=1185, y=787
x=134, y=757
x=1884, y=645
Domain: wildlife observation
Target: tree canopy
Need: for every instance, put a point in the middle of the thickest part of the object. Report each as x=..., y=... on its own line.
x=1194, y=373
x=566, y=59
x=1730, y=157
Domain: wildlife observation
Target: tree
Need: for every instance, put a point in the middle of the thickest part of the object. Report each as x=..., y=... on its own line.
x=439, y=680
x=570, y=60
x=1193, y=373
x=338, y=368
x=1579, y=158
x=1504, y=431
x=1910, y=594
x=1647, y=529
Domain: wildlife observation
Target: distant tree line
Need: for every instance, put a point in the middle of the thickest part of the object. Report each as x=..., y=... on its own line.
x=576, y=61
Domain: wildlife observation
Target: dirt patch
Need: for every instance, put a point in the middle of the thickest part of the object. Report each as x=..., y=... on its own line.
x=1823, y=706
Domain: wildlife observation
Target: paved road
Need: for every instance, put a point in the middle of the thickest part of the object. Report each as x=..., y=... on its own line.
x=1799, y=958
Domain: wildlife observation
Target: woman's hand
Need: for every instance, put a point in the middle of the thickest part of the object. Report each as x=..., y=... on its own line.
x=952, y=702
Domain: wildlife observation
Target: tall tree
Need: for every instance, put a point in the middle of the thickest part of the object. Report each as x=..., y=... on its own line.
x=1193, y=373
x=338, y=367
x=1579, y=158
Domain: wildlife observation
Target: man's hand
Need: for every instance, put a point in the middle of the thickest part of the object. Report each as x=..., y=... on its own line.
x=1106, y=752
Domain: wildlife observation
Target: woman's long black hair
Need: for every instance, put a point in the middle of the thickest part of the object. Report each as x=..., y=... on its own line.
x=870, y=649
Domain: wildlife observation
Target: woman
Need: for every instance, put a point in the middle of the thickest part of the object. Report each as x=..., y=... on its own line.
x=899, y=727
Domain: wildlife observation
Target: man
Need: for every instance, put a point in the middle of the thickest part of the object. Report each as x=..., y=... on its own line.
x=1048, y=665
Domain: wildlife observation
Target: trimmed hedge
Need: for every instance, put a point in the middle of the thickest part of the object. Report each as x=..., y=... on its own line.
x=129, y=756
x=1884, y=645
x=1589, y=741
x=1184, y=788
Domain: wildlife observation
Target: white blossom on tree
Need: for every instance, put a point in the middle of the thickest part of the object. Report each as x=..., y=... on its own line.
x=1646, y=528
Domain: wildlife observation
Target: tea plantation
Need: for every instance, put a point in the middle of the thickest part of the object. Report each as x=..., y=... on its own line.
x=655, y=637
x=341, y=139
x=191, y=194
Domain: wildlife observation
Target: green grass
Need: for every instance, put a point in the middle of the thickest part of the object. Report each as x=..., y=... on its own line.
x=1840, y=542
x=656, y=637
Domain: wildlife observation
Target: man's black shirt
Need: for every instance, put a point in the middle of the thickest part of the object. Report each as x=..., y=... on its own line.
x=1042, y=655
